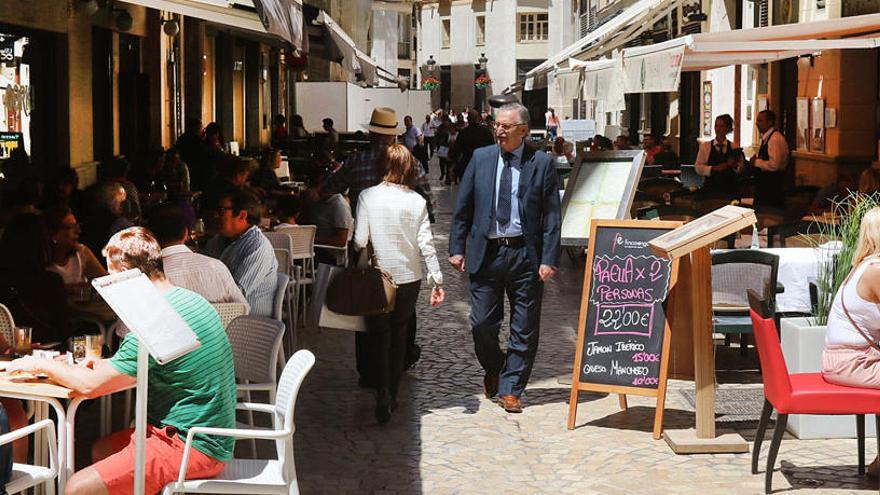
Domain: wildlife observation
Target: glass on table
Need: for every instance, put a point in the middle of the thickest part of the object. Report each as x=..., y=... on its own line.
x=22, y=341
x=94, y=346
x=78, y=348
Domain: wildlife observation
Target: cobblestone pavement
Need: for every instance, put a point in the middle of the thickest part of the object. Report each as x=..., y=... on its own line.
x=447, y=438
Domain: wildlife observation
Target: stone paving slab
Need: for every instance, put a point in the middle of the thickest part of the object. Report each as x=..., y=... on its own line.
x=446, y=438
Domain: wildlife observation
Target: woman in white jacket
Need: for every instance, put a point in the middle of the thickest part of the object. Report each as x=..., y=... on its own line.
x=394, y=219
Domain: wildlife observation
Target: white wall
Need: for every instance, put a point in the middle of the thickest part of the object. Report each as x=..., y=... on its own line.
x=350, y=105
x=385, y=37
x=562, y=28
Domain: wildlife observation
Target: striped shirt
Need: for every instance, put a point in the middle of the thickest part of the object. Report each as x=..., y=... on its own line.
x=197, y=389
x=254, y=267
x=206, y=276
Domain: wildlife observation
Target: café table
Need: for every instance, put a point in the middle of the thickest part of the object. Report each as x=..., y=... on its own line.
x=44, y=394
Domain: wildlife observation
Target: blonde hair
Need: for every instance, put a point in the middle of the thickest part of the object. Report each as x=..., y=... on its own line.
x=869, y=236
x=400, y=166
x=135, y=247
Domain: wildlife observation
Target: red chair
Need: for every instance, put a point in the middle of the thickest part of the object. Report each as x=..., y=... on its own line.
x=800, y=393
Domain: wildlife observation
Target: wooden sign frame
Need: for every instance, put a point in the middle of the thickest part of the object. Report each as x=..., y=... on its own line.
x=576, y=385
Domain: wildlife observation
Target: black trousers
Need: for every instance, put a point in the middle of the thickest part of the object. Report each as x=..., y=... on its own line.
x=363, y=345
x=388, y=355
x=506, y=271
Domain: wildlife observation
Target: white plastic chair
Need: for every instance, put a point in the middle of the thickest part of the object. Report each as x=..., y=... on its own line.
x=304, y=273
x=230, y=311
x=25, y=476
x=256, y=476
x=256, y=343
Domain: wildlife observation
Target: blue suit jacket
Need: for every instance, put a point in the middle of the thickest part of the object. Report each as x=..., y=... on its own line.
x=539, y=210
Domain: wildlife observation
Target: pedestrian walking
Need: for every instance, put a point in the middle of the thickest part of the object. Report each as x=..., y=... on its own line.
x=507, y=213
x=551, y=122
x=429, y=130
x=474, y=136
x=393, y=219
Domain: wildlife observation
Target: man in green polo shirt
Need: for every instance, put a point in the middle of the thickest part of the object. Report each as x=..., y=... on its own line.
x=197, y=389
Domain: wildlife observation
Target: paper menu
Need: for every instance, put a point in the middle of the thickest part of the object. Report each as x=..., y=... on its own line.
x=145, y=312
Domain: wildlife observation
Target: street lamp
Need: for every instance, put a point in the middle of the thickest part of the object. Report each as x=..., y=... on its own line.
x=430, y=63
x=482, y=60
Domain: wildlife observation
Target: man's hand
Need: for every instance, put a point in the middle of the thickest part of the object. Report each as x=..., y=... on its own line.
x=457, y=262
x=27, y=364
x=546, y=272
x=437, y=296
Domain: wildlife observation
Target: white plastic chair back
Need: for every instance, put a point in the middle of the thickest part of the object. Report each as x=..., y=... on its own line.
x=283, y=257
x=255, y=342
x=295, y=371
x=7, y=324
x=280, y=240
x=303, y=237
x=230, y=311
x=280, y=292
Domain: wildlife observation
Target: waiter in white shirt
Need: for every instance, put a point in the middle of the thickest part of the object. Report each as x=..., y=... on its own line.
x=769, y=164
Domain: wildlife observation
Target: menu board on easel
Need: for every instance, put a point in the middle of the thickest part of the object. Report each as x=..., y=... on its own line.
x=623, y=334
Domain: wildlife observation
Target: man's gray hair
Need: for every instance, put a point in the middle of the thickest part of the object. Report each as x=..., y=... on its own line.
x=522, y=111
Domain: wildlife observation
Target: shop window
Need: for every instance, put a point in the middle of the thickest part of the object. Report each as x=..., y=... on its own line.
x=404, y=36
x=15, y=95
x=445, y=30
x=533, y=27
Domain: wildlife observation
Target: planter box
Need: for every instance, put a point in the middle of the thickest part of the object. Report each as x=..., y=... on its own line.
x=802, y=346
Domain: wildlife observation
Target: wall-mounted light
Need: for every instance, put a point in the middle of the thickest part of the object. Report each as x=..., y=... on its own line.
x=482, y=61
x=805, y=61
x=430, y=63
x=170, y=27
x=124, y=21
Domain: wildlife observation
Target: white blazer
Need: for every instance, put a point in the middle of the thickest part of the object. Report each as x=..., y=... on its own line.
x=395, y=219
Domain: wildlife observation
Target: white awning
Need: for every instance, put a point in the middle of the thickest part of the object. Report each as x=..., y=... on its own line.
x=633, y=15
x=354, y=60
x=221, y=12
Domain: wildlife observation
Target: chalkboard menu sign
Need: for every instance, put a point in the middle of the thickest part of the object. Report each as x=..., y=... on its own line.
x=623, y=337
x=625, y=317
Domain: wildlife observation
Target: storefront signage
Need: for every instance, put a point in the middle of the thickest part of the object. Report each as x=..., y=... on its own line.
x=654, y=72
x=16, y=98
x=708, y=123
x=7, y=51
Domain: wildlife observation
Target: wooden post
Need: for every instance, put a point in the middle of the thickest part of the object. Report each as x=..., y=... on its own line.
x=704, y=348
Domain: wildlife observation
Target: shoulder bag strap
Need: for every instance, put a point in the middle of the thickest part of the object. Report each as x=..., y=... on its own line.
x=871, y=342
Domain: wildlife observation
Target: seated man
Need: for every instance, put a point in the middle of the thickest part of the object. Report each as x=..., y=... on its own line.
x=197, y=389
x=206, y=276
x=287, y=211
x=331, y=214
x=247, y=253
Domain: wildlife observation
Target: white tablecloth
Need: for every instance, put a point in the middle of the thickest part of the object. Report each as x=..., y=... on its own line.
x=797, y=267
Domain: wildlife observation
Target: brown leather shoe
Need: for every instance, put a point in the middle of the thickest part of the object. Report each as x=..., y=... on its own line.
x=490, y=385
x=510, y=403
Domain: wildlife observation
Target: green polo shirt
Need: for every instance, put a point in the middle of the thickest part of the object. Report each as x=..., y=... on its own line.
x=197, y=389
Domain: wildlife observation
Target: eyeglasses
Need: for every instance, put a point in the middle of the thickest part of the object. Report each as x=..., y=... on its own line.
x=507, y=127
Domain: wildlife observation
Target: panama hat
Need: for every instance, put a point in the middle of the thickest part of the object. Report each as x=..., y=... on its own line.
x=384, y=121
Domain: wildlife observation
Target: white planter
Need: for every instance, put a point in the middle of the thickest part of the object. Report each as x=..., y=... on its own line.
x=802, y=345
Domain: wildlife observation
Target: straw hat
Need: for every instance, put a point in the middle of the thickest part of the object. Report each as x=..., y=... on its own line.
x=384, y=121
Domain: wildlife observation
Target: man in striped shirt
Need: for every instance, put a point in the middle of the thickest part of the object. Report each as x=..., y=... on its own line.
x=194, y=390
x=245, y=250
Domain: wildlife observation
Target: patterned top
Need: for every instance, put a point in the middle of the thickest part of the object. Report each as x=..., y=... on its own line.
x=395, y=219
x=206, y=276
x=359, y=173
x=197, y=389
x=252, y=262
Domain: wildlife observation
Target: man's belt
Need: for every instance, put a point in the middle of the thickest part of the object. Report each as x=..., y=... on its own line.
x=514, y=242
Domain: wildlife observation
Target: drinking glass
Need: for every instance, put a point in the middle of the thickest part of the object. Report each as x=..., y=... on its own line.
x=78, y=347
x=94, y=346
x=22, y=344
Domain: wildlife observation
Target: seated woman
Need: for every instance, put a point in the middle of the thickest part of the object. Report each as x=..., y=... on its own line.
x=264, y=180
x=719, y=160
x=852, y=356
x=75, y=262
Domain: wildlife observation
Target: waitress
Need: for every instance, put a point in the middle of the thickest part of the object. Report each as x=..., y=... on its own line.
x=719, y=160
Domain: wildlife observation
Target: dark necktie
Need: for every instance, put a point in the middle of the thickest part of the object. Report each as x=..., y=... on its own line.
x=504, y=191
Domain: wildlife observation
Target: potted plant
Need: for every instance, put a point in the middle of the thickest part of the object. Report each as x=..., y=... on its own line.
x=430, y=83
x=483, y=81
x=833, y=236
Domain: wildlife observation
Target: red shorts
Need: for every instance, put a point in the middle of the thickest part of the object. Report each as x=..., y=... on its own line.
x=164, y=454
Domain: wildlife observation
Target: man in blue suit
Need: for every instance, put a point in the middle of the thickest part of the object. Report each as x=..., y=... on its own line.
x=507, y=215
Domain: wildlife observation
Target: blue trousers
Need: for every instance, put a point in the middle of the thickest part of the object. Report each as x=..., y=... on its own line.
x=506, y=271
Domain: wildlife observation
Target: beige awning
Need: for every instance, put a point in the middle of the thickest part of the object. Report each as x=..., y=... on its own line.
x=354, y=60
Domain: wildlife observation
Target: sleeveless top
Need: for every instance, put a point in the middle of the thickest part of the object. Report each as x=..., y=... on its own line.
x=72, y=273
x=865, y=313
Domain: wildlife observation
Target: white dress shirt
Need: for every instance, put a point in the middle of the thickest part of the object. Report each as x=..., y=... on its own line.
x=206, y=276
x=395, y=219
x=777, y=149
x=701, y=164
x=514, y=227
